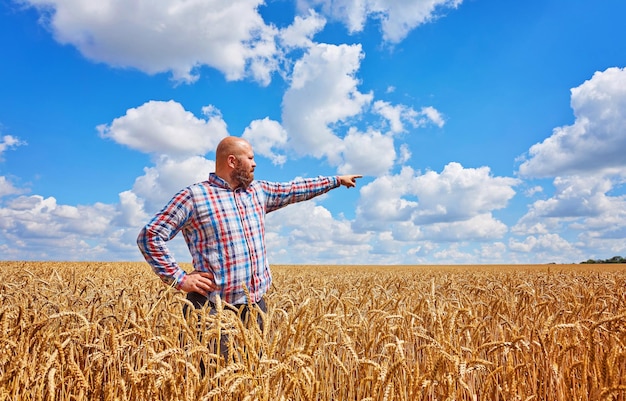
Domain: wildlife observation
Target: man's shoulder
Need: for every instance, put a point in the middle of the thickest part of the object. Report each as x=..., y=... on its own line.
x=204, y=186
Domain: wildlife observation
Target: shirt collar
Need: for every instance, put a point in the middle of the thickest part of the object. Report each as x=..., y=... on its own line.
x=218, y=181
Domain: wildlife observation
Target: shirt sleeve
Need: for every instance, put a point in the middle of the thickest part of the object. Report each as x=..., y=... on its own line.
x=279, y=195
x=162, y=228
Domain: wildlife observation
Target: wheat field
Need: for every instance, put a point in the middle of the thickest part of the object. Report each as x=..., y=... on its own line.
x=113, y=331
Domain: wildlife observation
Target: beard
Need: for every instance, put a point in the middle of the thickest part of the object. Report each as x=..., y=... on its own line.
x=241, y=175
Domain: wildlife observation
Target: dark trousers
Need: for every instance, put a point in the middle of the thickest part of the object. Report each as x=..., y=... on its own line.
x=199, y=301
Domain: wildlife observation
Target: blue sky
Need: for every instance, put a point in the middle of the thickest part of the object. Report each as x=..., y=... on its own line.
x=487, y=131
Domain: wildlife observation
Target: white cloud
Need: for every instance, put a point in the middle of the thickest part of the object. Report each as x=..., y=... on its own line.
x=481, y=227
x=34, y=227
x=386, y=249
x=310, y=233
x=323, y=92
x=395, y=115
x=494, y=252
x=405, y=154
x=387, y=199
x=38, y=228
x=550, y=243
x=460, y=193
x=579, y=204
x=178, y=37
x=166, y=128
x=452, y=255
x=595, y=143
x=429, y=114
x=131, y=212
x=177, y=140
x=162, y=181
x=7, y=188
x=367, y=153
x=9, y=142
x=324, y=102
x=399, y=115
x=534, y=190
x=397, y=17
x=451, y=206
x=603, y=246
x=537, y=227
x=587, y=161
x=35, y=216
x=267, y=138
x=575, y=197
x=300, y=33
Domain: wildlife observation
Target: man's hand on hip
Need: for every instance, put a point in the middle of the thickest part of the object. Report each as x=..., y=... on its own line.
x=200, y=282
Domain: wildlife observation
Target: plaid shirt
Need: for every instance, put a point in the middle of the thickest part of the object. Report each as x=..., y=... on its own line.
x=225, y=232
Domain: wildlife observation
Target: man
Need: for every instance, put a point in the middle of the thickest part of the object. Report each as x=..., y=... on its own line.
x=223, y=222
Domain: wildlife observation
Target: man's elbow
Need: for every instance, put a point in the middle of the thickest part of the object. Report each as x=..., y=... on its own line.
x=142, y=238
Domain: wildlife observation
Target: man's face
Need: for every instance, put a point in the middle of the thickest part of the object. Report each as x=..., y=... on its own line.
x=243, y=172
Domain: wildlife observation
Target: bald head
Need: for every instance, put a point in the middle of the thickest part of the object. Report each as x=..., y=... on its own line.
x=231, y=145
x=234, y=161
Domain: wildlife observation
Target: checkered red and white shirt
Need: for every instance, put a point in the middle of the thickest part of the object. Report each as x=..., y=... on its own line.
x=225, y=232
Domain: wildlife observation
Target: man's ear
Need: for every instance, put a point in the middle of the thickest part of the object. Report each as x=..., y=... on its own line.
x=232, y=161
